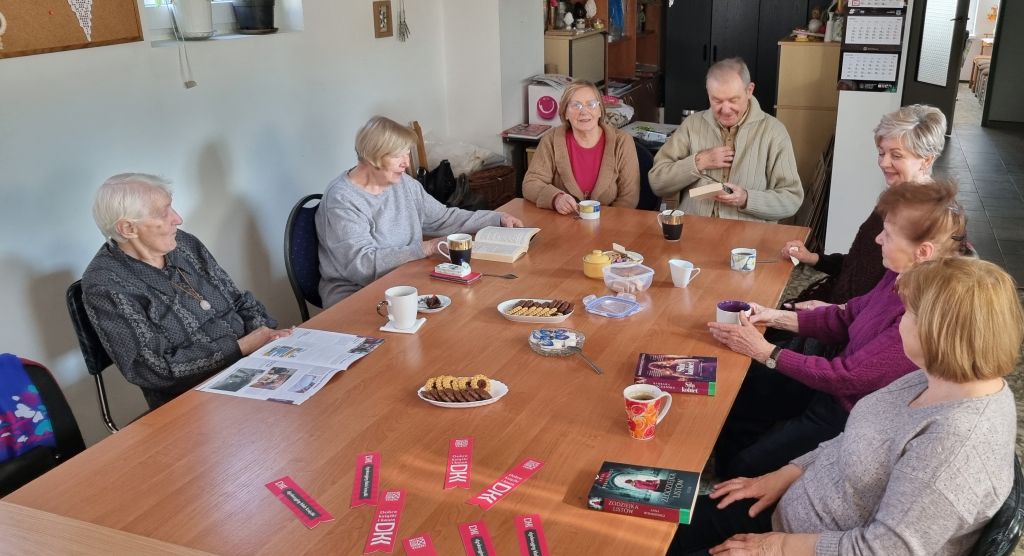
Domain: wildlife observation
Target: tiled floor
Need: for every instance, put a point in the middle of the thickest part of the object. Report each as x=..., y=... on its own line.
x=989, y=166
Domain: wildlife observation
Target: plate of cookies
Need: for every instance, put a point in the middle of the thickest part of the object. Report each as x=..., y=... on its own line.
x=537, y=311
x=461, y=391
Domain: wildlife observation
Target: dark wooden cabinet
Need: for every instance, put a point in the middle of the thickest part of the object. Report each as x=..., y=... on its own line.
x=643, y=97
x=698, y=33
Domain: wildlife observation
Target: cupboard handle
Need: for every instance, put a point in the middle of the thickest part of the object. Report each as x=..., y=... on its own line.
x=714, y=53
x=704, y=53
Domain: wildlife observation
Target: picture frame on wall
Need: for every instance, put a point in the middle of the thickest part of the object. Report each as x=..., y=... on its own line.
x=382, y=26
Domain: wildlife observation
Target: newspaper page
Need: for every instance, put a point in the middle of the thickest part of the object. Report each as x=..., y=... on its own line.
x=291, y=369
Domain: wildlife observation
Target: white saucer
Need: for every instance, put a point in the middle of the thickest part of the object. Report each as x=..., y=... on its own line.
x=444, y=299
x=415, y=328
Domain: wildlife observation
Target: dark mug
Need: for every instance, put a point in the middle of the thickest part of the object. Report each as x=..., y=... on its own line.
x=457, y=247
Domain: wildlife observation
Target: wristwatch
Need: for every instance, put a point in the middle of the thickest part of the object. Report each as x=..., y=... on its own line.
x=773, y=359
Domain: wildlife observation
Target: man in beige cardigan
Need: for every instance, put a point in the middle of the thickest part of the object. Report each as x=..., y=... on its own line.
x=733, y=142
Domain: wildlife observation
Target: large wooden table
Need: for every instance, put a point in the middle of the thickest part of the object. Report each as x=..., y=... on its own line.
x=192, y=473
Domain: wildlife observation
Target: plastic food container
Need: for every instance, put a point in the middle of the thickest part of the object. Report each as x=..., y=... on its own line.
x=612, y=306
x=628, y=277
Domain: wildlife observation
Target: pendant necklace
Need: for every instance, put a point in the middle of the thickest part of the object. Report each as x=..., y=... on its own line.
x=191, y=291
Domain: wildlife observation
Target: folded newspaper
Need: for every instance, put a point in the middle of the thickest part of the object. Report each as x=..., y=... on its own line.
x=293, y=368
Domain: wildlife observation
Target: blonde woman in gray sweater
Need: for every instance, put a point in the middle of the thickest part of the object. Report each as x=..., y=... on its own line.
x=923, y=464
x=733, y=142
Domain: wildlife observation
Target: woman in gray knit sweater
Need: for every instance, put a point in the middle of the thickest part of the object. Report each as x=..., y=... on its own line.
x=922, y=465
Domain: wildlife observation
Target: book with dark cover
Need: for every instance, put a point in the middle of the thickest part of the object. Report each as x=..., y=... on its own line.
x=526, y=131
x=684, y=374
x=651, y=492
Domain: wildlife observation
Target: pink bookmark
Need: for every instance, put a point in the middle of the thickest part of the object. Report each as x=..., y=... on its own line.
x=420, y=545
x=366, y=480
x=384, y=529
x=299, y=502
x=475, y=539
x=513, y=477
x=532, y=541
x=460, y=462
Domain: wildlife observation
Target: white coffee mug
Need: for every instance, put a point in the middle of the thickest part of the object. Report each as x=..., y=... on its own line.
x=743, y=259
x=401, y=303
x=682, y=272
x=589, y=209
x=728, y=312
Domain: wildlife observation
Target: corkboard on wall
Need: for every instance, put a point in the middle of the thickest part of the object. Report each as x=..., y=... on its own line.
x=38, y=26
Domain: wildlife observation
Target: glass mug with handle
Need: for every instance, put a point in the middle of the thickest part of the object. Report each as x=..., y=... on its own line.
x=457, y=248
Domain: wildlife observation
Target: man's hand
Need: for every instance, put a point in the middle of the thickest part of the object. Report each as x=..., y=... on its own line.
x=565, y=204
x=714, y=158
x=738, y=197
x=509, y=221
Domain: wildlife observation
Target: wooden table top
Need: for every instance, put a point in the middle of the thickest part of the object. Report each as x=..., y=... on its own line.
x=29, y=531
x=193, y=472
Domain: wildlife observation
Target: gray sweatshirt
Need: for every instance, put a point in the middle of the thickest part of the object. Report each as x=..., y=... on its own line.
x=902, y=480
x=365, y=236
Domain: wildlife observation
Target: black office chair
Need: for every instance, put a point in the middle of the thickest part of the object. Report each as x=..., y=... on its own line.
x=300, y=254
x=96, y=357
x=648, y=200
x=19, y=471
x=1000, y=536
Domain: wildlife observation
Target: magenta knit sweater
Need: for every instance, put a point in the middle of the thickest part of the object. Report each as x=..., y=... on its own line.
x=873, y=357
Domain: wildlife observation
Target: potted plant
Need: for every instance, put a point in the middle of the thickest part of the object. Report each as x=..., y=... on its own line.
x=254, y=17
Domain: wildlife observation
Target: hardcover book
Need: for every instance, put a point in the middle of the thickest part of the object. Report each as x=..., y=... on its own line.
x=651, y=492
x=685, y=374
x=526, y=131
x=707, y=190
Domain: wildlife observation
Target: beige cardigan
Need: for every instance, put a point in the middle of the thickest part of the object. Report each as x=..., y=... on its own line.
x=550, y=173
x=764, y=165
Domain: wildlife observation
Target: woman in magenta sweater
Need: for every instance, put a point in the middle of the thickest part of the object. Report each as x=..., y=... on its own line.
x=790, y=402
x=585, y=158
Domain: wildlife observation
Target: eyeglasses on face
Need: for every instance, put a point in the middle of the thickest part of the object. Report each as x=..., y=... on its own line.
x=577, y=106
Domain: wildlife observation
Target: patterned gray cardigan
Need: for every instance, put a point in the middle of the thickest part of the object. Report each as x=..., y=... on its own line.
x=155, y=332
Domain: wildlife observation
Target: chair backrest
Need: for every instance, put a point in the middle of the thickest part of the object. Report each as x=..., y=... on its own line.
x=301, y=259
x=648, y=200
x=1000, y=536
x=19, y=471
x=96, y=357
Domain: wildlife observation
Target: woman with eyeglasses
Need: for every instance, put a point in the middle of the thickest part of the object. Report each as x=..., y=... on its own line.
x=584, y=158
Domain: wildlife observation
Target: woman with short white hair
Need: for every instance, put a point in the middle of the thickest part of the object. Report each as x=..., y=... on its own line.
x=909, y=141
x=373, y=217
x=168, y=315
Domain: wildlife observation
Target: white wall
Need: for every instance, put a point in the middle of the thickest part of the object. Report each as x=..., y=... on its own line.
x=273, y=118
x=856, y=180
x=1006, y=85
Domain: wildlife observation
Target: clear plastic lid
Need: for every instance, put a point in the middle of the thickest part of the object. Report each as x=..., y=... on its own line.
x=612, y=306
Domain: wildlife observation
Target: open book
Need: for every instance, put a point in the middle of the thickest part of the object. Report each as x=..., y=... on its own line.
x=504, y=245
x=293, y=368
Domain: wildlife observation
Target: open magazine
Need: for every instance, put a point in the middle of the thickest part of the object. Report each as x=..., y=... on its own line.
x=503, y=245
x=293, y=368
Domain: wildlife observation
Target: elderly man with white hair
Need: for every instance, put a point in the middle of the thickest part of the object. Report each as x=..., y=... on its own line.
x=734, y=143
x=168, y=315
